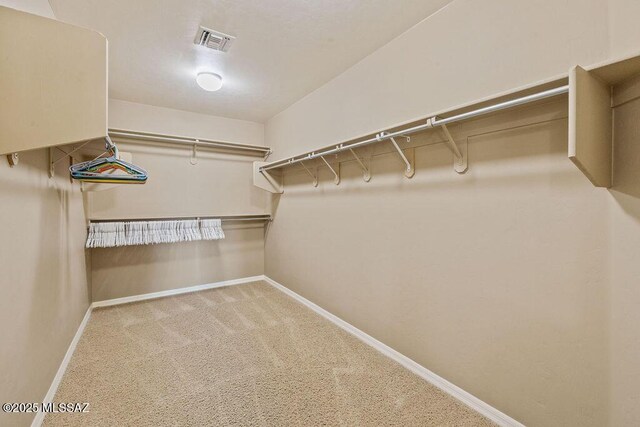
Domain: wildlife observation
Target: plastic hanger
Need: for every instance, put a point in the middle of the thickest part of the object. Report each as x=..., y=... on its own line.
x=101, y=169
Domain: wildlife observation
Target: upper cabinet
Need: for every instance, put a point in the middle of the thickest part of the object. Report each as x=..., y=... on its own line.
x=53, y=82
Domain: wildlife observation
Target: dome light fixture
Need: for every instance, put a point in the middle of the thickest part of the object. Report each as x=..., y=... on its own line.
x=210, y=82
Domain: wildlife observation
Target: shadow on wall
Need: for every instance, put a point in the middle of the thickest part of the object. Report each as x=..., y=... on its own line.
x=625, y=267
x=629, y=202
x=45, y=287
x=135, y=270
x=217, y=185
x=517, y=164
x=59, y=258
x=491, y=279
x=141, y=255
x=626, y=183
x=60, y=255
x=546, y=120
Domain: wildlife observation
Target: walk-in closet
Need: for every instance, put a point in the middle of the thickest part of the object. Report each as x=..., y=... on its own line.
x=305, y=213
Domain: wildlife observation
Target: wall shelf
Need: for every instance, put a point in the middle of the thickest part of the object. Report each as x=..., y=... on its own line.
x=122, y=135
x=590, y=126
x=590, y=139
x=53, y=85
x=224, y=218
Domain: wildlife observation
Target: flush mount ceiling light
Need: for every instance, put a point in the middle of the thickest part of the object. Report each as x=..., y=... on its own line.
x=210, y=82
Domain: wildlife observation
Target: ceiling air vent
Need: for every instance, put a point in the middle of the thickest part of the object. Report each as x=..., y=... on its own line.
x=213, y=39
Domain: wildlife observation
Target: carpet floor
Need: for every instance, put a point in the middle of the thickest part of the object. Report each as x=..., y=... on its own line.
x=240, y=355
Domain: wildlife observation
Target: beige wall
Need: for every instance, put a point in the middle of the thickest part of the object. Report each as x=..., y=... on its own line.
x=509, y=281
x=135, y=270
x=467, y=51
x=492, y=279
x=219, y=184
x=624, y=32
x=516, y=281
x=44, y=288
x=44, y=291
x=625, y=266
x=147, y=118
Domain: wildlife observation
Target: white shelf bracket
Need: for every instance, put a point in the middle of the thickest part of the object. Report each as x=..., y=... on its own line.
x=366, y=174
x=314, y=176
x=53, y=161
x=265, y=181
x=460, y=164
x=52, y=164
x=276, y=186
x=194, y=153
x=336, y=175
x=410, y=169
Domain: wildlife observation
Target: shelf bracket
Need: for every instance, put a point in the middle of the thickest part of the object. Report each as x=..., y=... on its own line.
x=460, y=164
x=336, y=179
x=265, y=181
x=366, y=173
x=13, y=159
x=410, y=169
x=314, y=176
x=590, y=126
x=276, y=186
x=53, y=161
x=194, y=153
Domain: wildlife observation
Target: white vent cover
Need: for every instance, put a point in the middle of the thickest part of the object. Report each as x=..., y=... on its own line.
x=213, y=39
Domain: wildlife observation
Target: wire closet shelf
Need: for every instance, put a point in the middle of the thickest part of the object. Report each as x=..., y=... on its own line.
x=189, y=141
x=432, y=122
x=223, y=218
x=149, y=231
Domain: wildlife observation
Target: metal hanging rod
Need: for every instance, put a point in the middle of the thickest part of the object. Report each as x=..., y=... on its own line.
x=224, y=218
x=173, y=139
x=431, y=123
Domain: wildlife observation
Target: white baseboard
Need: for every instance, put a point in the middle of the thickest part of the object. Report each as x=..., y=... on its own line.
x=468, y=399
x=178, y=291
x=39, y=418
x=48, y=398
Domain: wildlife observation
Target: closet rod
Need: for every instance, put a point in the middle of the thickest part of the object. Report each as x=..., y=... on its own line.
x=224, y=218
x=431, y=123
x=173, y=139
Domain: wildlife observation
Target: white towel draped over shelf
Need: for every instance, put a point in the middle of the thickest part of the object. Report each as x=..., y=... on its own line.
x=130, y=233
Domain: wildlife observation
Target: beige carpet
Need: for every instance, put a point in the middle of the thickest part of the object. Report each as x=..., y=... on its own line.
x=240, y=355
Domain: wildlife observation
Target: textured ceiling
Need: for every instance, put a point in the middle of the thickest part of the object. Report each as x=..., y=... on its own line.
x=284, y=48
x=38, y=7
